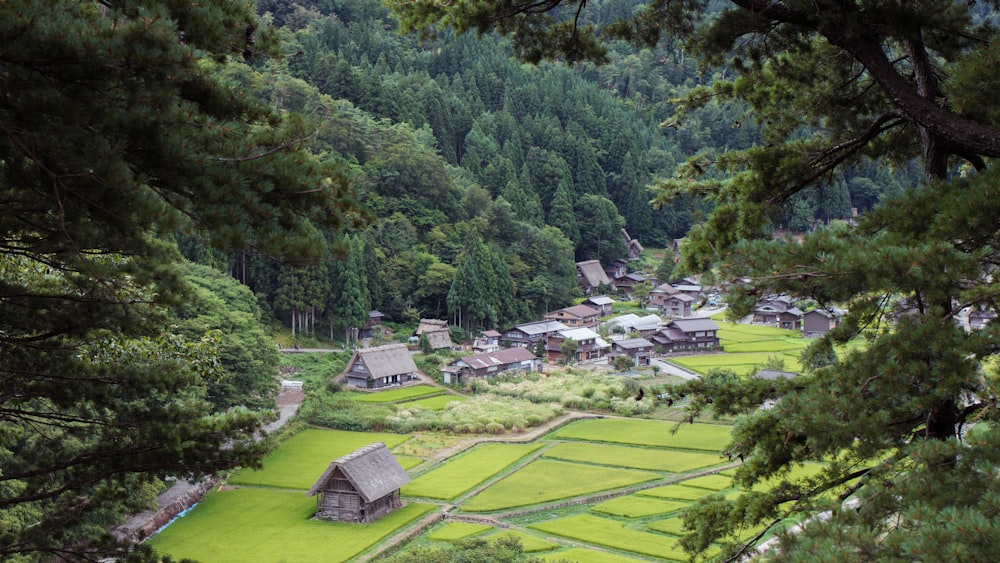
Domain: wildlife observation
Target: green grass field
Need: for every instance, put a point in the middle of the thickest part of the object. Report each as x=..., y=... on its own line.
x=653, y=459
x=451, y=531
x=675, y=492
x=456, y=476
x=673, y=526
x=270, y=526
x=398, y=394
x=547, y=480
x=633, y=506
x=581, y=555
x=710, y=482
x=743, y=364
x=530, y=542
x=709, y=437
x=614, y=534
x=434, y=403
x=737, y=332
x=302, y=458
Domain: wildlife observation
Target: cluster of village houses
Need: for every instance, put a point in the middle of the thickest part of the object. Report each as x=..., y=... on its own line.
x=670, y=328
x=365, y=485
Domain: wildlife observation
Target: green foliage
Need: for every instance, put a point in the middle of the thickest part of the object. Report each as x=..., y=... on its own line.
x=247, y=354
x=121, y=130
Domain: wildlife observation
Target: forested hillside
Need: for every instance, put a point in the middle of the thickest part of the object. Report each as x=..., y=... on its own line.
x=486, y=178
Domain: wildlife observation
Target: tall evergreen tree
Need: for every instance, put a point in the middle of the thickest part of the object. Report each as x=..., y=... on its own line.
x=118, y=131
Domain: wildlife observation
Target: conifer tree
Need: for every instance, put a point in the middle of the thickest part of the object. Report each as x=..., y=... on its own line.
x=116, y=132
x=906, y=423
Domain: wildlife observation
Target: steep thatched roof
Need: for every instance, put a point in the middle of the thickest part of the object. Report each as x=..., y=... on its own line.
x=385, y=361
x=431, y=325
x=592, y=273
x=438, y=339
x=371, y=470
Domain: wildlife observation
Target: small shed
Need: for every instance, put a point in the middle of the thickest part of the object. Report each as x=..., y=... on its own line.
x=361, y=486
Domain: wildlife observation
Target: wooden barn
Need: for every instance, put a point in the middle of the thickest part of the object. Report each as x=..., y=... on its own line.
x=362, y=486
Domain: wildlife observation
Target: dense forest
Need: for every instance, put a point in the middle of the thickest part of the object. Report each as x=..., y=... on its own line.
x=487, y=178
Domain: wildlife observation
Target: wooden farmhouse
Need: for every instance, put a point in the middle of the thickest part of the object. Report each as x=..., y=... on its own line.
x=490, y=364
x=362, y=486
x=371, y=368
x=639, y=350
x=818, y=322
x=575, y=316
x=685, y=335
x=778, y=311
x=527, y=335
x=603, y=304
x=670, y=301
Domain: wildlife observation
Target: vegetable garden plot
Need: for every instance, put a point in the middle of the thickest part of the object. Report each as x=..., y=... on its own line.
x=634, y=506
x=546, y=480
x=265, y=525
x=705, y=437
x=456, y=476
x=614, y=534
x=302, y=458
x=398, y=394
x=653, y=459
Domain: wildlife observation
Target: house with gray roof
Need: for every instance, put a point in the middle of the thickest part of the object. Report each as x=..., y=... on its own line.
x=639, y=350
x=778, y=311
x=361, y=486
x=575, y=316
x=372, y=368
x=528, y=334
x=685, y=335
x=629, y=323
x=491, y=364
x=590, y=345
x=603, y=304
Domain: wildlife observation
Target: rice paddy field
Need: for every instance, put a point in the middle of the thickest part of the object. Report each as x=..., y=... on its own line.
x=304, y=456
x=398, y=395
x=456, y=476
x=609, y=490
